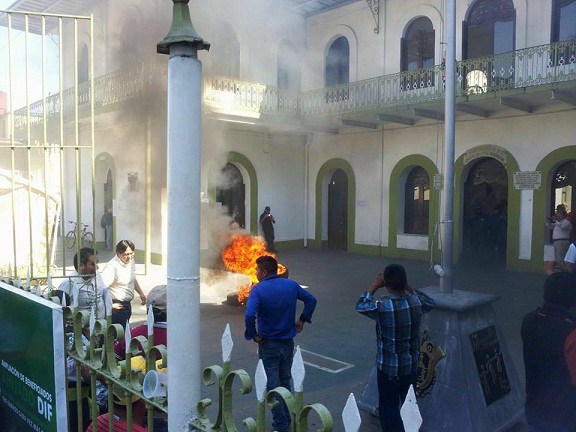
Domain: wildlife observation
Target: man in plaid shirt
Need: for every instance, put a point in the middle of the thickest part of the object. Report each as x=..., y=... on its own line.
x=397, y=317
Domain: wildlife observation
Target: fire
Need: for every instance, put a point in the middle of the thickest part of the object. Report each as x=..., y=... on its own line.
x=240, y=257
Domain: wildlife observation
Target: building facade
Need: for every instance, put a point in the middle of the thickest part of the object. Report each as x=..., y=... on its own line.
x=331, y=113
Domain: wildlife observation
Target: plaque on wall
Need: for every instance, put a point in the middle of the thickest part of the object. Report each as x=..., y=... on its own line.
x=487, y=150
x=490, y=364
x=527, y=180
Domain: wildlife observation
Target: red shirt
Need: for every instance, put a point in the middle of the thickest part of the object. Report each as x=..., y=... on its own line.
x=119, y=425
x=160, y=337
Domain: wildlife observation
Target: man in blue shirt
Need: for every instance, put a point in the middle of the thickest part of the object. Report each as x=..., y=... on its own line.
x=397, y=317
x=273, y=303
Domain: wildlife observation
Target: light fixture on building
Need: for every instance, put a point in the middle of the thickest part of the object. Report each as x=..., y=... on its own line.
x=133, y=181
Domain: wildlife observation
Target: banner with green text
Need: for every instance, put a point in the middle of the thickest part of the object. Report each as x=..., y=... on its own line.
x=32, y=363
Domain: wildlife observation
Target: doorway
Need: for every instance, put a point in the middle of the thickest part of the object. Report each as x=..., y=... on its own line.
x=231, y=193
x=338, y=211
x=485, y=215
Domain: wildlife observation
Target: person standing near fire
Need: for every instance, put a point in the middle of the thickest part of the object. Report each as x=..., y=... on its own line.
x=273, y=303
x=120, y=277
x=267, y=221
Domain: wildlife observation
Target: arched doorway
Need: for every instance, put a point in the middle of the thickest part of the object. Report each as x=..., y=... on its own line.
x=231, y=193
x=485, y=216
x=338, y=211
x=563, y=191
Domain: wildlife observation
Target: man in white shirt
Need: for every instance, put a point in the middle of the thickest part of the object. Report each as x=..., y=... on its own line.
x=561, y=233
x=570, y=258
x=120, y=277
x=85, y=286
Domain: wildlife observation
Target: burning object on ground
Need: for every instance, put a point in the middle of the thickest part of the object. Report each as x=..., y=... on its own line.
x=240, y=257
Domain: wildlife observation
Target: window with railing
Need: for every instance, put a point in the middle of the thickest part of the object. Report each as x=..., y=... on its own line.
x=489, y=30
x=337, y=70
x=417, y=54
x=417, y=202
x=563, y=32
x=225, y=52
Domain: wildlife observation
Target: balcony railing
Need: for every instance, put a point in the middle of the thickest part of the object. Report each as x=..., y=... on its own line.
x=534, y=66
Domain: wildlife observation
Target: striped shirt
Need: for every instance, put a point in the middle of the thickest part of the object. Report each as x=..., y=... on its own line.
x=397, y=319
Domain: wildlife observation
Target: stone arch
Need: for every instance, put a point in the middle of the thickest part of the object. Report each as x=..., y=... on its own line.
x=399, y=173
x=350, y=35
x=547, y=166
x=461, y=170
x=324, y=174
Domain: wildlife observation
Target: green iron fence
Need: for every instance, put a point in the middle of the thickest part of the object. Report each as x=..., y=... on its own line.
x=93, y=363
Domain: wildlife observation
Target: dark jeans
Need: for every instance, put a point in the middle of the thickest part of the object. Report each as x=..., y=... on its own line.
x=121, y=316
x=269, y=237
x=277, y=354
x=392, y=392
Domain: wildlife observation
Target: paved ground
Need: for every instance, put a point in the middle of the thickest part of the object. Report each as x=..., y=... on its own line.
x=338, y=332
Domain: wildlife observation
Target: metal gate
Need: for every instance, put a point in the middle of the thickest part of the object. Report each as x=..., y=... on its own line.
x=46, y=141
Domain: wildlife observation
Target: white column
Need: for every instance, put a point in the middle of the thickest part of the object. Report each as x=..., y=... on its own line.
x=184, y=134
x=447, y=214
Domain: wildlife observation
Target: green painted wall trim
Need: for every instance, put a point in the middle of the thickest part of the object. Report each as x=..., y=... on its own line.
x=99, y=245
x=332, y=165
x=156, y=258
x=513, y=232
x=396, y=189
x=289, y=244
x=540, y=209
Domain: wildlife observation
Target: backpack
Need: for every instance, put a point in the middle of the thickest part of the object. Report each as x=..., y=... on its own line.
x=103, y=221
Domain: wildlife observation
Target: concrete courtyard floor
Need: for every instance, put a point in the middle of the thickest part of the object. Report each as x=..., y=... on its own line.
x=338, y=332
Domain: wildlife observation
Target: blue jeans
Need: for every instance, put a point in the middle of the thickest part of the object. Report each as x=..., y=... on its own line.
x=277, y=354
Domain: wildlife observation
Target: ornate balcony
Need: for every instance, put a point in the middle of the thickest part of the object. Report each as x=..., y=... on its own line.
x=515, y=73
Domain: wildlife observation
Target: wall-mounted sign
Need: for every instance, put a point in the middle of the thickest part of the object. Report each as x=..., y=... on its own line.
x=527, y=180
x=490, y=364
x=492, y=151
x=32, y=363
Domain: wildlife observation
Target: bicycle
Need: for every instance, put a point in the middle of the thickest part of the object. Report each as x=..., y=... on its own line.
x=87, y=236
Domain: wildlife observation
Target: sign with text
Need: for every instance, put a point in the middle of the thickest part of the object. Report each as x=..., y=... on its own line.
x=527, y=180
x=32, y=363
x=490, y=364
x=488, y=150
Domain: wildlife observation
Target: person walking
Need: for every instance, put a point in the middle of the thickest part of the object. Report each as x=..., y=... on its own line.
x=397, y=315
x=267, y=221
x=561, y=228
x=272, y=302
x=107, y=222
x=120, y=277
x=549, y=348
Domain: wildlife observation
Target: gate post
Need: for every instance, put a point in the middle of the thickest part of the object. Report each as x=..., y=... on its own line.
x=183, y=274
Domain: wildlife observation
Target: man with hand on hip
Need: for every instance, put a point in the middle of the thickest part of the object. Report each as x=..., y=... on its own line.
x=272, y=302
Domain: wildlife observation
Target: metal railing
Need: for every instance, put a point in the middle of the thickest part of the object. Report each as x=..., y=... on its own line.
x=95, y=371
x=528, y=67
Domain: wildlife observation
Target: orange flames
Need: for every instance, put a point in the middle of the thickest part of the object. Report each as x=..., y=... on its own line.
x=240, y=257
